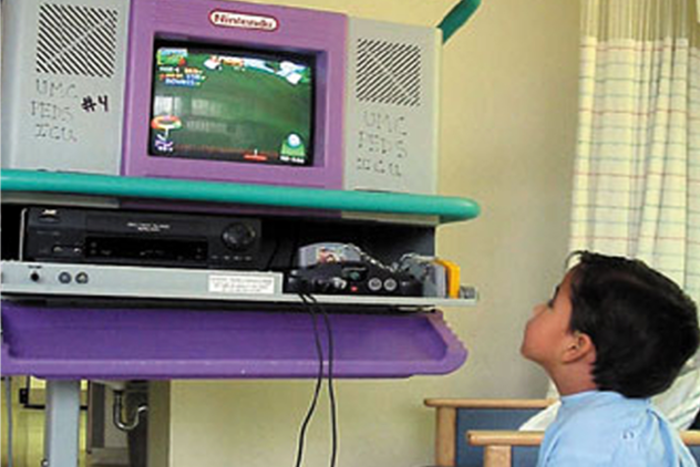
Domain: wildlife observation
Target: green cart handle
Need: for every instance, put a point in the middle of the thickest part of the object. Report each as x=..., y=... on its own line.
x=446, y=208
x=456, y=18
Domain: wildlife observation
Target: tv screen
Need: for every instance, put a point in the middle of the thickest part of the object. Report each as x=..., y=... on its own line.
x=231, y=105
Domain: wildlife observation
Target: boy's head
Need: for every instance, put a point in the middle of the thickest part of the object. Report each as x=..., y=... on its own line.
x=641, y=326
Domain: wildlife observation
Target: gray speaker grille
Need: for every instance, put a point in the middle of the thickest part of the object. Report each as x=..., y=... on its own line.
x=388, y=73
x=76, y=40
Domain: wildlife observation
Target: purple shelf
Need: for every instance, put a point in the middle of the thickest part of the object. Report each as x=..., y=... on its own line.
x=85, y=343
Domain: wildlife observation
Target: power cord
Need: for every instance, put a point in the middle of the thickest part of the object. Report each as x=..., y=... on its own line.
x=319, y=381
x=331, y=391
x=312, y=306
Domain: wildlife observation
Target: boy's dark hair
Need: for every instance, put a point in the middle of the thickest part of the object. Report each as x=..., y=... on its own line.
x=643, y=326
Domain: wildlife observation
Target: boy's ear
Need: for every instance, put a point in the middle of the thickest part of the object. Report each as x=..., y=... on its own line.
x=579, y=346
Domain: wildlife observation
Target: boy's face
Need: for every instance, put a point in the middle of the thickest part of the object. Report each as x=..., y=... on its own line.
x=547, y=333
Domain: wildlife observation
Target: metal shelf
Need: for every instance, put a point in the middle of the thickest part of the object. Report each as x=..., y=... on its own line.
x=356, y=301
x=134, y=283
x=408, y=303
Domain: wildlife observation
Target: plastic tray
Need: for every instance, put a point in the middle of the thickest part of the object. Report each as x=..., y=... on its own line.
x=151, y=343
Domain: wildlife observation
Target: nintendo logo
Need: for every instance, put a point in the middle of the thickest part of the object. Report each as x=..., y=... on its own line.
x=231, y=19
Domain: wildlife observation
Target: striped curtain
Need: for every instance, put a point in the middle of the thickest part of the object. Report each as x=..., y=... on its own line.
x=637, y=171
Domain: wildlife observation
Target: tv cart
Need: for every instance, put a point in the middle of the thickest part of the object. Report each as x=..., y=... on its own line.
x=374, y=338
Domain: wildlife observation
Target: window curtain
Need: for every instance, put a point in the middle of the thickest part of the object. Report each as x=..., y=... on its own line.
x=637, y=171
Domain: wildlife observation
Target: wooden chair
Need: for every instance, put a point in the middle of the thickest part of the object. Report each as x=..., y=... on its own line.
x=499, y=445
x=480, y=432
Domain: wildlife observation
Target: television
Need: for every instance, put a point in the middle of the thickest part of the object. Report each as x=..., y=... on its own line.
x=220, y=91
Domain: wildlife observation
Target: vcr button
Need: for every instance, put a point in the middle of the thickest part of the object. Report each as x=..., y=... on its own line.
x=64, y=277
x=238, y=236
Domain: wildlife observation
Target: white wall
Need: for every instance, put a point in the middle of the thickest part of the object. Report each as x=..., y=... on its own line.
x=509, y=118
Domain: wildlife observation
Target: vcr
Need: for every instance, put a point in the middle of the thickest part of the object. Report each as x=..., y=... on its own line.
x=74, y=235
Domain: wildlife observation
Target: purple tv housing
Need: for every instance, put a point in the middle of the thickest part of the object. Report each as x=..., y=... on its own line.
x=220, y=91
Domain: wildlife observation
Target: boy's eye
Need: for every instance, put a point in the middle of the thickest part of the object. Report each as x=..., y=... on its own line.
x=550, y=303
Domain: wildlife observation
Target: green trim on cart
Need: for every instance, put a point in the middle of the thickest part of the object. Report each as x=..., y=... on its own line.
x=447, y=208
x=456, y=18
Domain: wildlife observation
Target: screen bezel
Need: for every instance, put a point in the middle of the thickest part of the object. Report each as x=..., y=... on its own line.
x=204, y=47
x=318, y=33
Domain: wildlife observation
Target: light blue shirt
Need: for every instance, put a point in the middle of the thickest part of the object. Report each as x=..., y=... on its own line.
x=606, y=429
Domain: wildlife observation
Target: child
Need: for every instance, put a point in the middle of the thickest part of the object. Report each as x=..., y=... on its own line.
x=615, y=333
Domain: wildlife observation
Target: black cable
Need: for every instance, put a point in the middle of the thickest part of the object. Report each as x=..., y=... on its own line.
x=331, y=391
x=319, y=381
